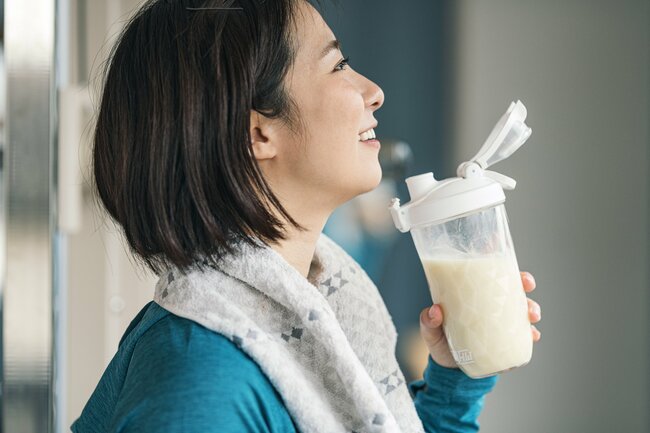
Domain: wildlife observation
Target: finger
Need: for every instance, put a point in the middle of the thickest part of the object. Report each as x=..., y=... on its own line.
x=431, y=317
x=534, y=311
x=536, y=334
x=430, y=328
x=528, y=281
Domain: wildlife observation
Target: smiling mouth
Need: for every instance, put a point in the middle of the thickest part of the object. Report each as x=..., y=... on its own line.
x=368, y=135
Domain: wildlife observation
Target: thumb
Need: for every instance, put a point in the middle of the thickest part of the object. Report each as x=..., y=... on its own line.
x=433, y=334
x=431, y=317
x=431, y=326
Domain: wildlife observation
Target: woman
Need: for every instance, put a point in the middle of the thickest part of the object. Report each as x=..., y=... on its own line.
x=228, y=132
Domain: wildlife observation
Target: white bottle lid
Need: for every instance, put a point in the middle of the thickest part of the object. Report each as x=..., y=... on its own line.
x=476, y=188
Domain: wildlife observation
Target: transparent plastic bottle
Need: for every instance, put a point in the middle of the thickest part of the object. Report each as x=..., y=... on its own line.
x=460, y=230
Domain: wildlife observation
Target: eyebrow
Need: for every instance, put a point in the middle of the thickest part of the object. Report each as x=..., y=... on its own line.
x=332, y=45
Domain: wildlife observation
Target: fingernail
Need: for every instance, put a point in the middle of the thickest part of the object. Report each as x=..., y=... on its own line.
x=535, y=311
x=530, y=277
x=432, y=312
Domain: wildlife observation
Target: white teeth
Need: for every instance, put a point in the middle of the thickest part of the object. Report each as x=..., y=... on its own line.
x=367, y=135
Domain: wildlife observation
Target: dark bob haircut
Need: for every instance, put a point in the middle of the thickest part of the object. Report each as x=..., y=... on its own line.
x=172, y=158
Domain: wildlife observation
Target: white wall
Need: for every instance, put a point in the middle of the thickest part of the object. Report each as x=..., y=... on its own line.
x=579, y=215
x=105, y=289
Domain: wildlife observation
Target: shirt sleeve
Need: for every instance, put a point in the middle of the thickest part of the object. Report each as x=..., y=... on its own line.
x=189, y=379
x=449, y=401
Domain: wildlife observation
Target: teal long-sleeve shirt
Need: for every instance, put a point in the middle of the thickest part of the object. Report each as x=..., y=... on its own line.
x=171, y=374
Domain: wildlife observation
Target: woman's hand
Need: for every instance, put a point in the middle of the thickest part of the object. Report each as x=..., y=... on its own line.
x=434, y=336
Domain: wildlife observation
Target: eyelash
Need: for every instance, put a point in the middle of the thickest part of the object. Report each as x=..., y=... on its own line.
x=343, y=62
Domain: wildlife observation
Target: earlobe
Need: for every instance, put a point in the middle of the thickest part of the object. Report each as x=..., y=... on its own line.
x=261, y=144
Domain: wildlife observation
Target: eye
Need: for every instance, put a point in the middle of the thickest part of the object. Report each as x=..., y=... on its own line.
x=342, y=64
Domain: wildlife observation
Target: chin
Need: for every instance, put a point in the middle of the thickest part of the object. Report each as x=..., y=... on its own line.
x=363, y=183
x=373, y=179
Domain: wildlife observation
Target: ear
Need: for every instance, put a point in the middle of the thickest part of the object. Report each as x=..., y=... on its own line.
x=261, y=131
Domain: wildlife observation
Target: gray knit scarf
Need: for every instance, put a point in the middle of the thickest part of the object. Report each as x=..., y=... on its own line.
x=326, y=343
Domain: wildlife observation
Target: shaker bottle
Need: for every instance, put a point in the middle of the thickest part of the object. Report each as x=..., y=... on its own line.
x=460, y=230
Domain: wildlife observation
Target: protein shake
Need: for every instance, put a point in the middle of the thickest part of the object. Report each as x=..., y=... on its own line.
x=485, y=312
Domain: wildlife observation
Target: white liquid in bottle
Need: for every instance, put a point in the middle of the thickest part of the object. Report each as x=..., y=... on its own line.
x=485, y=312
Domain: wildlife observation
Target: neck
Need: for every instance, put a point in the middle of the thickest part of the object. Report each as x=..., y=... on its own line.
x=299, y=246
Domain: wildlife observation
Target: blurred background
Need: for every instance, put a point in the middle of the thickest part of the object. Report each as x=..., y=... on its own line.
x=449, y=69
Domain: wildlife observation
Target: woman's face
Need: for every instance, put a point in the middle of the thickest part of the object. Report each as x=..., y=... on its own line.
x=329, y=165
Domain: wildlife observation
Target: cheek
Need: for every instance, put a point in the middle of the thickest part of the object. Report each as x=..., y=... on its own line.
x=332, y=116
x=338, y=105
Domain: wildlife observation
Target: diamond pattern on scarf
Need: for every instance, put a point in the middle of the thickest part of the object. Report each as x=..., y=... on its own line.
x=379, y=419
x=391, y=381
x=241, y=341
x=314, y=315
x=334, y=283
x=295, y=333
x=363, y=317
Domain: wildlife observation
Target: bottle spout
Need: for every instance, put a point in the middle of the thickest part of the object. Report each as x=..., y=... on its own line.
x=420, y=185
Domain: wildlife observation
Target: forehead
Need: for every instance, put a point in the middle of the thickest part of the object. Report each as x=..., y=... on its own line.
x=312, y=33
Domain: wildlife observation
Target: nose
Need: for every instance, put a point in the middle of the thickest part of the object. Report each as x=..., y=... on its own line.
x=374, y=96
